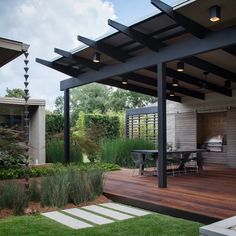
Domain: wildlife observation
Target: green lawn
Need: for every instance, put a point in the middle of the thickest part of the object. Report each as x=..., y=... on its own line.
x=154, y=224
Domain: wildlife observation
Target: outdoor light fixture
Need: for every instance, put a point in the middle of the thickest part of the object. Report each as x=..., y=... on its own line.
x=96, y=57
x=124, y=81
x=214, y=13
x=172, y=93
x=175, y=83
x=180, y=66
x=228, y=84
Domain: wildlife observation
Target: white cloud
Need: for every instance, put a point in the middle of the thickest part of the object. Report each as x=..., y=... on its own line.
x=45, y=25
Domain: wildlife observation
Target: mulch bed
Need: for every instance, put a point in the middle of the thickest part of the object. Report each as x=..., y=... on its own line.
x=36, y=208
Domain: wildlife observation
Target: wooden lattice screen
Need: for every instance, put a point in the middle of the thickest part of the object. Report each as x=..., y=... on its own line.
x=142, y=123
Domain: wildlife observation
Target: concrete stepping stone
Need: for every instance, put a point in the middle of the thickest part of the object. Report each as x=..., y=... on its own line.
x=94, y=218
x=107, y=212
x=66, y=220
x=126, y=209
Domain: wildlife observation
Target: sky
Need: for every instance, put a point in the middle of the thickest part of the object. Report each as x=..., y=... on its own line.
x=49, y=24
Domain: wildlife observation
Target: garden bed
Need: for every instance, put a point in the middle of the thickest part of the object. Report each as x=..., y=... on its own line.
x=35, y=208
x=58, y=187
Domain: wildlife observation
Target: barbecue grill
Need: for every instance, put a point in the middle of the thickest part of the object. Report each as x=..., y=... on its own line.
x=215, y=144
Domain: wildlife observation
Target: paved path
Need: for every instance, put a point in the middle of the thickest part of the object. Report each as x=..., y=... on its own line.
x=89, y=216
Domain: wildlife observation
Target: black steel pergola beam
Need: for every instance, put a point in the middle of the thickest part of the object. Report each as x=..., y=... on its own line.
x=198, y=82
x=77, y=59
x=137, y=36
x=231, y=50
x=161, y=39
x=131, y=87
x=157, y=32
x=189, y=47
x=185, y=91
x=64, y=69
x=138, y=89
x=209, y=67
x=150, y=81
x=191, y=26
x=109, y=50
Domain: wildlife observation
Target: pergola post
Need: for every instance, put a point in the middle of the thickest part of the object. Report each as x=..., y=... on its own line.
x=67, y=125
x=161, y=78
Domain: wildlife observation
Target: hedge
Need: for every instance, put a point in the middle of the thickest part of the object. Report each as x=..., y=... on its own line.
x=37, y=171
x=54, y=123
x=98, y=127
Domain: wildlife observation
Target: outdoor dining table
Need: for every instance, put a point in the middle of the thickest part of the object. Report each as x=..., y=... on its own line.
x=182, y=156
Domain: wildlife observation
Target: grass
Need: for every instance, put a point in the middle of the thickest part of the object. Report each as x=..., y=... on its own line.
x=118, y=151
x=54, y=152
x=154, y=224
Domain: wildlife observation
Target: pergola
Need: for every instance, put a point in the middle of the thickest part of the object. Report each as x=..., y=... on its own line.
x=145, y=55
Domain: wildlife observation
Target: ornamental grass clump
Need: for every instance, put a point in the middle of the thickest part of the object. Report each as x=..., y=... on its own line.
x=34, y=190
x=55, y=190
x=54, y=151
x=85, y=185
x=12, y=196
x=71, y=186
x=118, y=151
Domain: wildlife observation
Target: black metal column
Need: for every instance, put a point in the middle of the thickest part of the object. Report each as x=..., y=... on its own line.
x=161, y=77
x=126, y=126
x=67, y=125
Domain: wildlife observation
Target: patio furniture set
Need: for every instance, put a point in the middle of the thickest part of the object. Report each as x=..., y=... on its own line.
x=178, y=161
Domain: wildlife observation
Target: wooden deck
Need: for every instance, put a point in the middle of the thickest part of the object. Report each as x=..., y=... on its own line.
x=206, y=197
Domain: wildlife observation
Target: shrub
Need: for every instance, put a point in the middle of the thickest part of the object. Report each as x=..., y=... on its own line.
x=54, y=123
x=87, y=146
x=10, y=160
x=55, y=151
x=12, y=196
x=12, y=149
x=99, y=127
x=37, y=171
x=119, y=151
x=92, y=128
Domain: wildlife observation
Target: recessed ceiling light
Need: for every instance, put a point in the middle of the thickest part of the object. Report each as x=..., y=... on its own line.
x=172, y=93
x=180, y=66
x=215, y=13
x=96, y=57
x=124, y=81
x=175, y=83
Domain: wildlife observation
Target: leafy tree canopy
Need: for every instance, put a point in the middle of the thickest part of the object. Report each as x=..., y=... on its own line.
x=15, y=93
x=98, y=98
x=59, y=105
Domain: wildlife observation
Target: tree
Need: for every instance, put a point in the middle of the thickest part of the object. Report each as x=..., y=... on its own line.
x=136, y=100
x=91, y=98
x=122, y=100
x=59, y=105
x=15, y=93
x=98, y=98
x=119, y=100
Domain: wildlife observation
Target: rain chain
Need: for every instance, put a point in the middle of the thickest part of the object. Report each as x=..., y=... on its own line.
x=26, y=121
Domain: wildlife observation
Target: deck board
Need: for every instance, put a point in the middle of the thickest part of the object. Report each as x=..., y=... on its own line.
x=212, y=193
